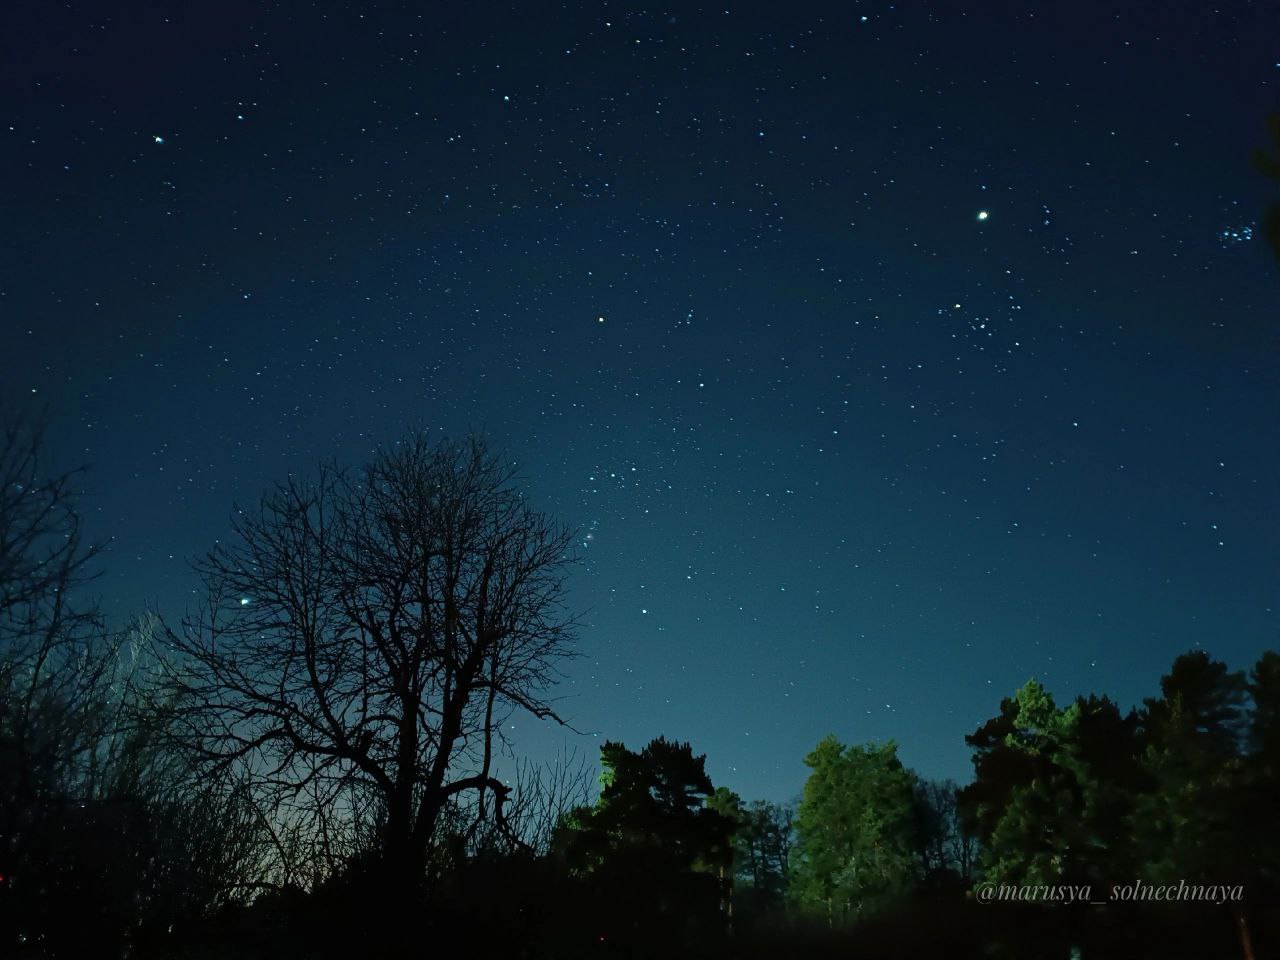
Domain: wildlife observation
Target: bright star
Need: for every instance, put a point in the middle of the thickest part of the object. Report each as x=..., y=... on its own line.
x=158, y=138
x=983, y=214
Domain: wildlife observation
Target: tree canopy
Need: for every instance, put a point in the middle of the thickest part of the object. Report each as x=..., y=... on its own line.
x=855, y=830
x=364, y=635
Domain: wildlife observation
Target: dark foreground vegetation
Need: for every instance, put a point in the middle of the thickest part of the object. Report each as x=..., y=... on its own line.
x=312, y=765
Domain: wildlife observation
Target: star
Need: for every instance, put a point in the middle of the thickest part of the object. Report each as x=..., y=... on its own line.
x=983, y=214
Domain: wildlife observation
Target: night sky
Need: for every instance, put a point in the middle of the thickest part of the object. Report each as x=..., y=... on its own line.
x=884, y=355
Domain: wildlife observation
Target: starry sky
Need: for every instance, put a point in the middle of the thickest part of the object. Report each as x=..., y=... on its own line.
x=884, y=355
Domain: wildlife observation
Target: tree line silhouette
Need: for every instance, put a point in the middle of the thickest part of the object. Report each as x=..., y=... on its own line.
x=1268, y=163
x=312, y=764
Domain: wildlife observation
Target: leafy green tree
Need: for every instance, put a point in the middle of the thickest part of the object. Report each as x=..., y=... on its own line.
x=855, y=831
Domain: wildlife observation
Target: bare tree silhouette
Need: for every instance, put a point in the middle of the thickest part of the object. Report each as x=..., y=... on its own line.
x=99, y=821
x=365, y=635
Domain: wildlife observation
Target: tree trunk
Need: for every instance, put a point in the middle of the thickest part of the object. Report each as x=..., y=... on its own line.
x=726, y=896
x=1242, y=925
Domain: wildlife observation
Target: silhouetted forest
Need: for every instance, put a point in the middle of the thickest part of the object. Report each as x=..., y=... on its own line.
x=1268, y=161
x=312, y=765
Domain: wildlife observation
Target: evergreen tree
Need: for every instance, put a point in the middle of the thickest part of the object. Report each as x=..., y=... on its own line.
x=1053, y=789
x=1269, y=163
x=1193, y=825
x=656, y=849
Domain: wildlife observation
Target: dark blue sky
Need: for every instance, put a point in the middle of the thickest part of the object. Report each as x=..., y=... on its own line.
x=846, y=456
